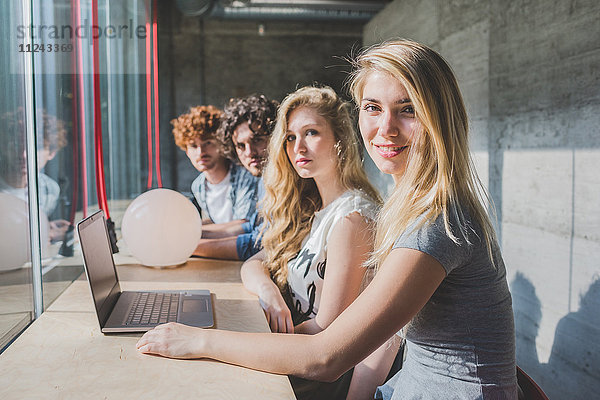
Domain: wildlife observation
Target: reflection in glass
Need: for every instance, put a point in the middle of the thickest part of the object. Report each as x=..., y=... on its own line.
x=16, y=296
x=64, y=130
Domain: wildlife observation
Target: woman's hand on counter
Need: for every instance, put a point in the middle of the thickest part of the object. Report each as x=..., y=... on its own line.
x=173, y=340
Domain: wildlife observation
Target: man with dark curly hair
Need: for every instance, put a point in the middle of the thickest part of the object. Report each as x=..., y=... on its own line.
x=224, y=191
x=246, y=129
x=244, y=133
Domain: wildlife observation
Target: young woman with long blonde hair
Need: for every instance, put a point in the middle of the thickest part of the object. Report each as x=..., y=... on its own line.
x=440, y=283
x=319, y=207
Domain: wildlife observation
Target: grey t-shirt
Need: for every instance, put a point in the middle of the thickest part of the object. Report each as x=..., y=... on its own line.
x=461, y=344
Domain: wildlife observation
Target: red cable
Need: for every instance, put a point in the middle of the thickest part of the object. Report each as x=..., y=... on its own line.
x=84, y=182
x=75, y=119
x=100, y=186
x=149, y=95
x=156, y=115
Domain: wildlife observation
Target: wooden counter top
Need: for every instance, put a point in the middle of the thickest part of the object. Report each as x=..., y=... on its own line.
x=64, y=355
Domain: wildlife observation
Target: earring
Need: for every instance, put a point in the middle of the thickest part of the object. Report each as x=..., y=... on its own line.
x=338, y=147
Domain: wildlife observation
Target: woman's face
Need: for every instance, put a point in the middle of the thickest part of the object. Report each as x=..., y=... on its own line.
x=387, y=122
x=310, y=145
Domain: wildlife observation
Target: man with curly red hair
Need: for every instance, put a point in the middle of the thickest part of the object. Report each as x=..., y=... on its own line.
x=224, y=191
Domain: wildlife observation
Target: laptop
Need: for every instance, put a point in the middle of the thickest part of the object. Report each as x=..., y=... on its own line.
x=120, y=311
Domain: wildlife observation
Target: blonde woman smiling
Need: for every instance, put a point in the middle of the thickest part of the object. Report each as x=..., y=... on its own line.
x=440, y=279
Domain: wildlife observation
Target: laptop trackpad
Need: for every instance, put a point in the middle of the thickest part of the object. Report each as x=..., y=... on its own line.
x=195, y=305
x=196, y=309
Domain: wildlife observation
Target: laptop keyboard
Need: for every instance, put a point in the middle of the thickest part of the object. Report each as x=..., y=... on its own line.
x=153, y=308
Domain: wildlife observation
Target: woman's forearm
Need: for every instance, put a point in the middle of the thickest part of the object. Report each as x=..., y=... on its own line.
x=271, y=352
x=372, y=371
x=310, y=327
x=407, y=278
x=258, y=281
x=255, y=277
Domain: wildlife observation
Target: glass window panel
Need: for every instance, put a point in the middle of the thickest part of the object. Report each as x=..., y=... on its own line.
x=65, y=107
x=56, y=128
x=16, y=296
x=63, y=110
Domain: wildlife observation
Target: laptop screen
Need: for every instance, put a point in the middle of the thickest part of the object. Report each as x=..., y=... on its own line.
x=99, y=263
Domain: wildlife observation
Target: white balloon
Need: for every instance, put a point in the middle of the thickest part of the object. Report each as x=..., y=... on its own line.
x=161, y=227
x=15, y=250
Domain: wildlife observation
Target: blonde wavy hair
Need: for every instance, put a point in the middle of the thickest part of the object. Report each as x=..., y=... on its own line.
x=290, y=201
x=440, y=176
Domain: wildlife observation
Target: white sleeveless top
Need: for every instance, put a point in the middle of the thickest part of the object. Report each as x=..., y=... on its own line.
x=307, y=270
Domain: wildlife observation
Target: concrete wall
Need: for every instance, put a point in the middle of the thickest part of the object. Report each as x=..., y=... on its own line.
x=210, y=61
x=530, y=74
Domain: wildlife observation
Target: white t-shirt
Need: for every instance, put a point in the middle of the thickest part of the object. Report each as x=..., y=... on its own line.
x=218, y=200
x=307, y=271
x=48, y=192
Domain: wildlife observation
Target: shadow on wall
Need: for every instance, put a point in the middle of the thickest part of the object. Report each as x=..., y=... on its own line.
x=528, y=314
x=571, y=353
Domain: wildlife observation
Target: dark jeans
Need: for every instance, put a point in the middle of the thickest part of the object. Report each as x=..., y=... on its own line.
x=305, y=389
